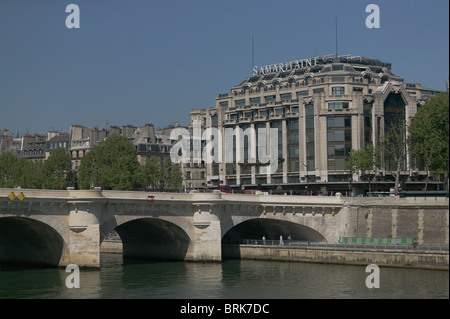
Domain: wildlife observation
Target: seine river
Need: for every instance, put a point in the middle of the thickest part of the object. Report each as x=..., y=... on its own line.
x=231, y=279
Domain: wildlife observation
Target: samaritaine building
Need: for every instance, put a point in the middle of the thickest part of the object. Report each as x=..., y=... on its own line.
x=322, y=107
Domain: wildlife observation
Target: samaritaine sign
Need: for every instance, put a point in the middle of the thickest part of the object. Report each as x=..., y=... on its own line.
x=289, y=66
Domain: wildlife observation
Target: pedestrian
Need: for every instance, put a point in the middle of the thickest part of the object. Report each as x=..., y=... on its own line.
x=281, y=240
x=264, y=239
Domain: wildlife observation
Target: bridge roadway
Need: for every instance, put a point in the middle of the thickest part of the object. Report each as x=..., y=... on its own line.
x=68, y=226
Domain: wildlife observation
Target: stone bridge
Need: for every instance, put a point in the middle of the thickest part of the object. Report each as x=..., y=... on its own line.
x=68, y=226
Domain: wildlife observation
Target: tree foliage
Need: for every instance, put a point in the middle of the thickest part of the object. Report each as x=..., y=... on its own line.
x=15, y=172
x=55, y=170
x=112, y=164
x=366, y=161
x=159, y=174
x=429, y=134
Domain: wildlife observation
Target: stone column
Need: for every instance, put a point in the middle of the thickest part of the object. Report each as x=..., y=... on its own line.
x=84, y=216
x=206, y=237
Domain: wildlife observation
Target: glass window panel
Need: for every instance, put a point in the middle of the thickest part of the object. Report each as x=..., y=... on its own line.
x=330, y=136
x=339, y=136
x=240, y=102
x=331, y=150
x=293, y=138
x=340, y=150
x=339, y=122
x=340, y=164
x=310, y=123
x=330, y=122
x=287, y=96
x=309, y=109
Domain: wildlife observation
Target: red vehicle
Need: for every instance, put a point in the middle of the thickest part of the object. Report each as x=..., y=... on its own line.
x=225, y=189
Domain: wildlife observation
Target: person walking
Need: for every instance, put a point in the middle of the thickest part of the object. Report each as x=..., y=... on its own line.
x=281, y=240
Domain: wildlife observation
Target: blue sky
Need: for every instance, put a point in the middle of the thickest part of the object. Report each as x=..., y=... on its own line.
x=152, y=61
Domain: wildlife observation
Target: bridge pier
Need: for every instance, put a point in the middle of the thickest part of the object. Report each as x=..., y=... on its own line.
x=206, y=241
x=84, y=238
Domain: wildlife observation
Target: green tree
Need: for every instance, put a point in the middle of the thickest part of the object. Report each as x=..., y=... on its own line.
x=148, y=175
x=171, y=175
x=15, y=171
x=56, y=168
x=429, y=135
x=394, y=146
x=365, y=161
x=160, y=174
x=112, y=163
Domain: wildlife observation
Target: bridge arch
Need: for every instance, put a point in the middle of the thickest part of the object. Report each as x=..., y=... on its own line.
x=153, y=238
x=272, y=229
x=36, y=241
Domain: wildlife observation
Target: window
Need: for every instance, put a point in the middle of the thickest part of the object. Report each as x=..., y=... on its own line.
x=293, y=148
x=320, y=90
x=279, y=127
x=367, y=111
x=286, y=97
x=337, y=105
x=300, y=93
x=336, y=79
x=339, y=141
x=270, y=98
x=255, y=100
x=240, y=102
x=214, y=121
x=310, y=144
x=338, y=91
x=224, y=104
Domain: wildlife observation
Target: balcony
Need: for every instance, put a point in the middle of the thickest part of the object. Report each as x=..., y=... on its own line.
x=230, y=122
x=275, y=116
x=292, y=114
x=260, y=117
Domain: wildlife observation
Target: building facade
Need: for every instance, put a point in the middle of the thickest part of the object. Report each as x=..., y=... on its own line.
x=320, y=108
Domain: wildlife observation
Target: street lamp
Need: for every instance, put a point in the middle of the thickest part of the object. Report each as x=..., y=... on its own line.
x=350, y=186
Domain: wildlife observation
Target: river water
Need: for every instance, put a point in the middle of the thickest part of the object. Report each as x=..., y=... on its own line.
x=231, y=279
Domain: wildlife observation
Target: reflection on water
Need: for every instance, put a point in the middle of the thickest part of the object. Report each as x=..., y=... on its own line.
x=229, y=279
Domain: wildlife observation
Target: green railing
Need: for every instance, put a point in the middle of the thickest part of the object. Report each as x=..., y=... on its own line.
x=370, y=240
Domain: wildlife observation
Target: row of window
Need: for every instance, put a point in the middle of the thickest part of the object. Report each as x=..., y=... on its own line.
x=335, y=91
x=261, y=180
x=281, y=111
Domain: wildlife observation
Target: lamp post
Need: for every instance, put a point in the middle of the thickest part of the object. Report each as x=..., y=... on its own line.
x=97, y=184
x=350, y=186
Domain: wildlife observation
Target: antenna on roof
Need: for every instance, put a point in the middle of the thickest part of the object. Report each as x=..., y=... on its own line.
x=336, y=38
x=253, y=54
